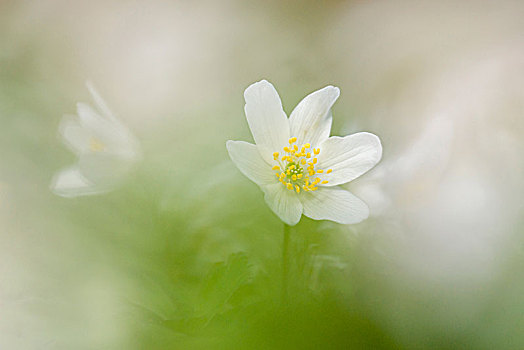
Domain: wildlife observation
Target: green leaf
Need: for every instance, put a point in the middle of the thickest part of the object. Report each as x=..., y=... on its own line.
x=224, y=280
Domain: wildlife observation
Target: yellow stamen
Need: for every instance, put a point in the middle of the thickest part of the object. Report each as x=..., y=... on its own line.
x=295, y=170
x=95, y=145
x=324, y=182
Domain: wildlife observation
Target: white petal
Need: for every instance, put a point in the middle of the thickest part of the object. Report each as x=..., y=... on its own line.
x=283, y=202
x=100, y=103
x=373, y=194
x=427, y=156
x=75, y=136
x=248, y=160
x=71, y=183
x=115, y=138
x=89, y=117
x=266, y=118
x=311, y=119
x=95, y=173
x=104, y=170
x=349, y=156
x=99, y=127
x=334, y=204
x=120, y=142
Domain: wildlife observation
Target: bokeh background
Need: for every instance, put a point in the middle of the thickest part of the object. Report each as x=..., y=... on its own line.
x=186, y=255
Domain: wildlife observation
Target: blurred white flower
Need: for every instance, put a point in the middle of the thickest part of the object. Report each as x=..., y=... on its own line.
x=295, y=162
x=106, y=150
x=413, y=176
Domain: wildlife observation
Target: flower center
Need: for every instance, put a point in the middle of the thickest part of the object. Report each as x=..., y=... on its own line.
x=295, y=167
x=95, y=145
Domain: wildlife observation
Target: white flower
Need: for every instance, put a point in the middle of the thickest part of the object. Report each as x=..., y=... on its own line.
x=412, y=177
x=295, y=162
x=106, y=150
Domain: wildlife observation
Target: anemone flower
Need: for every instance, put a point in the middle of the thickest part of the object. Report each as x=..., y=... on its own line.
x=105, y=148
x=298, y=166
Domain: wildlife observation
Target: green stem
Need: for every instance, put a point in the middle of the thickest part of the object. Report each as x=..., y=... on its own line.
x=285, y=262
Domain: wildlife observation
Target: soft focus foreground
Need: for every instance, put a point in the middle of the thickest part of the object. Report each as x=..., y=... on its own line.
x=186, y=255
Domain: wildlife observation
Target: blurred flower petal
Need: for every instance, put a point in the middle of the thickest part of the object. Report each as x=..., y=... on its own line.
x=75, y=136
x=106, y=151
x=71, y=183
